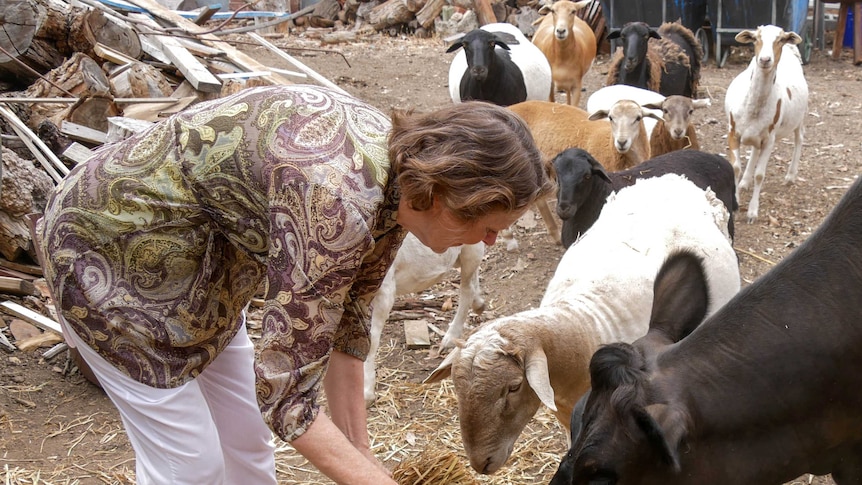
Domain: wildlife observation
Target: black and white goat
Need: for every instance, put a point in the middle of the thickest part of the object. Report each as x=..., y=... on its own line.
x=498, y=64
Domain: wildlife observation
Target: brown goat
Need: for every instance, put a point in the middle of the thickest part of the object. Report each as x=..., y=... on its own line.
x=569, y=44
x=675, y=131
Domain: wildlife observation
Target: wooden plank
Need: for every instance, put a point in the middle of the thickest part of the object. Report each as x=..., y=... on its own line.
x=45, y=339
x=416, y=334
x=112, y=55
x=16, y=286
x=302, y=67
x=155, y=112
x=245, y=61
x=24, y=268
x=5, y=343
x=193, y=69
x=77, y=153
x=29, y=315
x=83, y=133
x=46, y=157
x=53, y=351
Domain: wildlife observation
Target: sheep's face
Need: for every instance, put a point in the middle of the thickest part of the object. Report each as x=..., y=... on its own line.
x=575, y=170
x=635, y=37
x=495, y=403
x=677, y=111
x=769, y=42
x=625, y=117
x=564, y=13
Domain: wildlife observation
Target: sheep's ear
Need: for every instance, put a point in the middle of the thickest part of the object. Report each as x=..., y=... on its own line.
x=615, y=34
x=502, y=44
x=791, y=38
x=538, y=377
x=599, y=115
x=657, y=106
x=746, y=37
x=649, y=113
x=701, y=103
x=582, y=4
x=597, y=168
x=454, y=47
x=443, y=370
x=654, y=34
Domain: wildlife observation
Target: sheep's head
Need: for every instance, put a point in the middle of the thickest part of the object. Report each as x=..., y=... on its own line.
x=577, y=171
x=479, y=48
x=626, y=118
x=498, y=383
x=768, y=41
x=564, y=13
x=635, y=38
x=676, y=111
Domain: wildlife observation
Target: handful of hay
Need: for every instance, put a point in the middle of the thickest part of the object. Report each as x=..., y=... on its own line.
x=433, y=467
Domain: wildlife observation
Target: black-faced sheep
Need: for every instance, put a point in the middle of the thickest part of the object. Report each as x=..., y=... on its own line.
x=583, y=185
x=601, y=292
x=766, y=102
x=498, y=64
x=569, y=44
x=666, y=61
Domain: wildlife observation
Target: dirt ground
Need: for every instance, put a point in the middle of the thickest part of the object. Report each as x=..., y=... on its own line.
x=57, y=428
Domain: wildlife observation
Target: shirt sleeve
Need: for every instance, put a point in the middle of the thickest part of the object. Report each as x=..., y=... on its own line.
x=317, y=246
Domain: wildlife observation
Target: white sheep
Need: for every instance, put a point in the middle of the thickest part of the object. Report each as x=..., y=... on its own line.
x=569, y=44
x=601, y=292
x=417, y=268
x=605, y=97
x=618, y=143
x=766, y=102
x=498, y=64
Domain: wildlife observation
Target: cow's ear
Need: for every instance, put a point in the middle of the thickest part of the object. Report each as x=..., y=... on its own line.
x=665, y=429
x=680, y=299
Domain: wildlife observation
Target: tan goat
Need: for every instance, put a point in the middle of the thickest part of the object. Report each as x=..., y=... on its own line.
x=569, y=44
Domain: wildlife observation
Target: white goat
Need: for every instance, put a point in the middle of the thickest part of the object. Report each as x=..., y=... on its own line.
x=601, y=292
x=417, y=268
x=490, y=72
x=766, y=102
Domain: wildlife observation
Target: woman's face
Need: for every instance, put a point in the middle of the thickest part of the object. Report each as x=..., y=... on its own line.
x=440, y=230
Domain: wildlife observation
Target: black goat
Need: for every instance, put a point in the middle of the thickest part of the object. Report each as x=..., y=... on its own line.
x=667, y=60
x=766, y=389
x=583, y=184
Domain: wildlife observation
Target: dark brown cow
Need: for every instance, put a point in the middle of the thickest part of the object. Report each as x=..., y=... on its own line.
x=765, y=390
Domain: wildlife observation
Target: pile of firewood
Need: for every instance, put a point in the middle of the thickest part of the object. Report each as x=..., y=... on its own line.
x=77, y=76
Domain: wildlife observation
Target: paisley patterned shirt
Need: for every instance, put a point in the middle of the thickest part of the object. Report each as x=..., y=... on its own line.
x=154, y=246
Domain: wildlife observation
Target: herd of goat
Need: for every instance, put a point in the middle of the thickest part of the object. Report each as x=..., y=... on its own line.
x=644, y=346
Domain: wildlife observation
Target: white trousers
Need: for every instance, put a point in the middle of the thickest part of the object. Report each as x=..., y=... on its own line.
x=208, y=431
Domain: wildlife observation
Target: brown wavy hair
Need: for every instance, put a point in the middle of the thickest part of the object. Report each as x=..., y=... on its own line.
x=477, y=157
